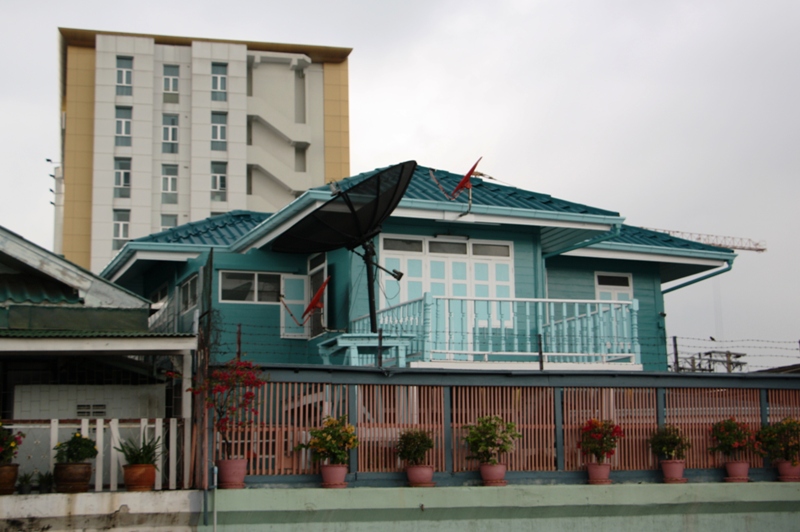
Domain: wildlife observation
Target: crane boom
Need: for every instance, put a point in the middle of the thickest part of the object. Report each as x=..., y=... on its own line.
x=730, y=242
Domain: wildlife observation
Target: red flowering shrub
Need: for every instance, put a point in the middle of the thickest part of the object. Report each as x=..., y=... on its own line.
x=599, y=439
x=731, y=438
x=229, y=393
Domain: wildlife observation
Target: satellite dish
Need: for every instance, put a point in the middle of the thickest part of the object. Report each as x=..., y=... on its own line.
x=352, y=218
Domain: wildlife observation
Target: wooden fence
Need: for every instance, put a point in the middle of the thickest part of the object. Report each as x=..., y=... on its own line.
x=548, y=410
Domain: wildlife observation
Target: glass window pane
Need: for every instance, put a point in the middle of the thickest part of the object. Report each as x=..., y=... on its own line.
x=397, y=244
x=238, y=286
x=269, y=288
x=455, y=248
x=491, y=250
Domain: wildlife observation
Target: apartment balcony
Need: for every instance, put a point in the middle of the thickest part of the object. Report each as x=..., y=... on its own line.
x=457, y=332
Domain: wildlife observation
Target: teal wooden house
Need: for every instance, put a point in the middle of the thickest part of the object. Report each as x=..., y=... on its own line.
x=499, y=278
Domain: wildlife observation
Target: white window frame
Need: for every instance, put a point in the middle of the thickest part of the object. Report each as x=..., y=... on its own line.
x=255, y=275
x=124, y=78
x=219, y=183
x=615, y=290
x=123, y=127
x=323, y=268
x=219, y=132
x=166, y=227
x=121, y=228
x=122, y=178
x=189, y=288
x=169, y=132
x=219, y=83
x=169, y=185
x=171, y=83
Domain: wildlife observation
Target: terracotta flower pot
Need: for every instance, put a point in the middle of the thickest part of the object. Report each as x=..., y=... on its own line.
x=673, y=471
x=737, y=471
x=72, y=478
x=420, y=476
x=599, y=473
x=333, y=475
x=787, y=472
x=493, y=474
x=139, y=477
x=8, y=478
x=231, y=473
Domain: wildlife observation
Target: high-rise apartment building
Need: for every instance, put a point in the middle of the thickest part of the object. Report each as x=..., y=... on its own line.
x=158, y=131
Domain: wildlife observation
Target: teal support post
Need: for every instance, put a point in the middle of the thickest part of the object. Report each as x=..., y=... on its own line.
x=448, y=428
x=352, y=418
x=635, y=330
x=558, y=404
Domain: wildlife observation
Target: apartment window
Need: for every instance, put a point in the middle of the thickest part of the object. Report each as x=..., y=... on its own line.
x=249, y=287
x=122, y=177
x=124, y=76
x=123, y=126
x=219, y=82
x=122, y=220
x=169, y=136
x=171, y=76
x=219, y=181
x=189, y=294
x=169, y=183
x=168, y=221
x=219, y=131
x=249, y=180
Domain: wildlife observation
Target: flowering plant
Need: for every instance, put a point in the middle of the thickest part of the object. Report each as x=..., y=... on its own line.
x=229, y=393
x=599, y=439
x=668, y=441
x=781, y=441
x=731, y=437
x=9, y=444
x=78, y=448
x=331, y=442
x=413, y=446
x=489, y=437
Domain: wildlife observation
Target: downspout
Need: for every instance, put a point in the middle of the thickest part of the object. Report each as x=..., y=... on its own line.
x=613, y=232
x=709, y=275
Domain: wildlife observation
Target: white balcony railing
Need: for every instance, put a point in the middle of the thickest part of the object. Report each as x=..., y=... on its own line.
x=509, y=330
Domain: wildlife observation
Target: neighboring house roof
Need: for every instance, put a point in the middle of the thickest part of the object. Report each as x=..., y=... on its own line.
x=646, y=237
x=43, y=290
x=40, y=333
x=220, y=230
x=32, y=264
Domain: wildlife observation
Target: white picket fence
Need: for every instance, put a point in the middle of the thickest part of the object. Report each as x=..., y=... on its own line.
x=37, y=454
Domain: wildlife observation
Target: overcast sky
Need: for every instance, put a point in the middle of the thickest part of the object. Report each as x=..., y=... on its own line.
x=678, y=114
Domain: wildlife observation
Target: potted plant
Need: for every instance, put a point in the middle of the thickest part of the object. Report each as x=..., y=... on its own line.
x=599, y=440
x=44, y=482
x=25, y=483
x=489, y=437
x=670, y=446
x=140, y=471
x=331, y=444
x=732, y=438
x=73, y=473
x=228, y=392
x=9, y=445
x=780, y=442
x=412, y=447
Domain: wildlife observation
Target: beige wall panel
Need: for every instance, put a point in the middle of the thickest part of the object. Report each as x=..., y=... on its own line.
x=78, y=145
x=337, y=121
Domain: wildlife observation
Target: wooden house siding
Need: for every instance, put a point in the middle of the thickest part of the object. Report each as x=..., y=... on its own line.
x=573, y=278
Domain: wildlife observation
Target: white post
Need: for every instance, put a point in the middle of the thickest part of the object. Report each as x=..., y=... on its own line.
x=113, y=454
x=98, y=479
x=173, y=452
x=53, y=442
x=186, y=413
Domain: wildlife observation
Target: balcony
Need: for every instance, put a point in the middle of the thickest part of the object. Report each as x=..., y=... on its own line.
x=454, y=332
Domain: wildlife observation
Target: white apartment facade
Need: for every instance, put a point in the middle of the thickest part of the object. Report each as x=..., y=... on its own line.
x=159, y=131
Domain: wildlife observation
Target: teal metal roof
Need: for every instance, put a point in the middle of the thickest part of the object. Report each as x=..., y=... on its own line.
x=645, y=237
x=17, y=288
x=220, y=230
x=39, y=333
x=484, y=192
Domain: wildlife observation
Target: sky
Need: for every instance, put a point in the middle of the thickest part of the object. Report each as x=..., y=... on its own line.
x=679, y=115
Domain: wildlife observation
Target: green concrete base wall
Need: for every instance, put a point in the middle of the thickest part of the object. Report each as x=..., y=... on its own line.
x=629, y=507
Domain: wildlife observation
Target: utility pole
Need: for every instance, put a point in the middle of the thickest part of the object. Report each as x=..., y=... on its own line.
x=675, y=349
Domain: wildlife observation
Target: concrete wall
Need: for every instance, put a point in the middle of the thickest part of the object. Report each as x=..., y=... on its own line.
x=756, y=506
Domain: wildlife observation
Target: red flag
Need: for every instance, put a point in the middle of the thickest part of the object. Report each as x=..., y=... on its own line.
x=316, y=301
x=465, y=183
